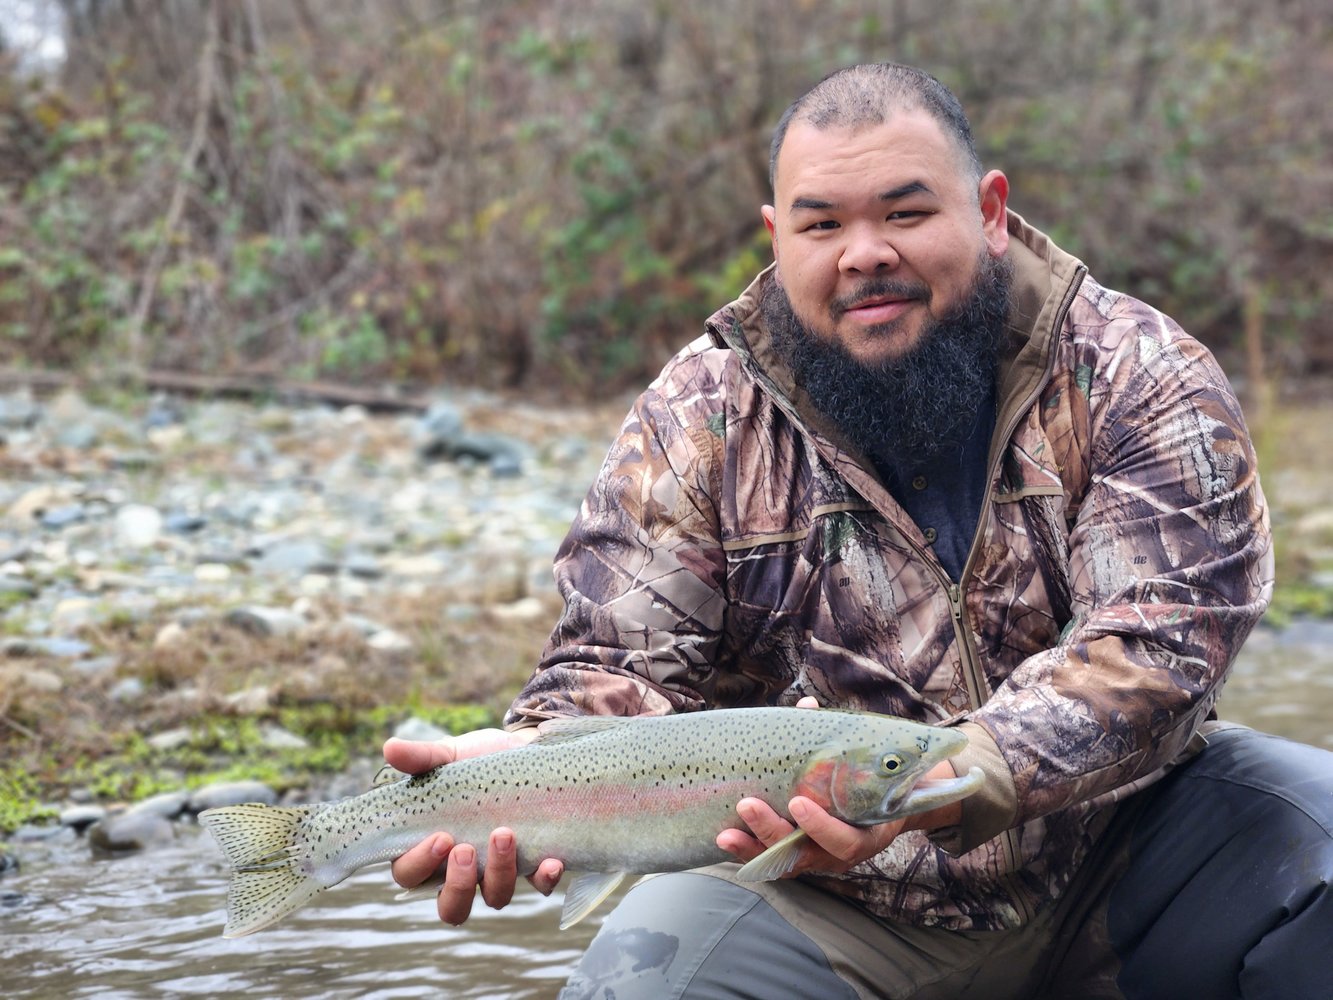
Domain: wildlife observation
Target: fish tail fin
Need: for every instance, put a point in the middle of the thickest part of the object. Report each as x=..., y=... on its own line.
x=268, y=881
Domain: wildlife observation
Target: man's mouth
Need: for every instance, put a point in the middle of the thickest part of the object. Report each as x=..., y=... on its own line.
x=880, y=309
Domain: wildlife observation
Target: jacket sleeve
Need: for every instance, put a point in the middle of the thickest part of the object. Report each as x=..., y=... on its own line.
x=641, y=573
x=1170, y=566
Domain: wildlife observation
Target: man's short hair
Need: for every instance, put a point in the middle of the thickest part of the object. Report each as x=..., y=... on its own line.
x=866, y=95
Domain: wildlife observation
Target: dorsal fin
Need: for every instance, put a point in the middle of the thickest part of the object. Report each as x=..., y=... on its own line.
x=387, y=775
x=576, y=727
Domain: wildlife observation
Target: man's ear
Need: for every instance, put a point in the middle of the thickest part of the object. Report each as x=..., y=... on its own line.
x=993, y=196
x=770, y=223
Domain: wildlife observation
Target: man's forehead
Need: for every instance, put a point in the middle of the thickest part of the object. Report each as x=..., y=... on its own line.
x=908, y=141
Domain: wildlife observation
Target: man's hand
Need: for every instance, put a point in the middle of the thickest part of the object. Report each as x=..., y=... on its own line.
x=438, y=853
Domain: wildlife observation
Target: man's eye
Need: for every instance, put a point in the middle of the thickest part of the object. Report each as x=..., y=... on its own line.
x=905, y=214
x=822, y=225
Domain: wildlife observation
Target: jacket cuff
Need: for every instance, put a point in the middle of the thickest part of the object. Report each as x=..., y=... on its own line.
x=988, y=812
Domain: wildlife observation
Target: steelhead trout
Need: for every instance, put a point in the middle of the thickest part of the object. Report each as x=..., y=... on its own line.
x=607, y=796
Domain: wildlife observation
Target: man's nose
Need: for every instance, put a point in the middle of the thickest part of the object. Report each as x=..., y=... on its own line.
x=868, y=250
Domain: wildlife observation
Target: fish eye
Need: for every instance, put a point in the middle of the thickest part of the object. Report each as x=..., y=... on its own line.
x=891, y=762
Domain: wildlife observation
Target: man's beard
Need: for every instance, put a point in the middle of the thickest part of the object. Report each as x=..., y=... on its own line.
x=916, y=405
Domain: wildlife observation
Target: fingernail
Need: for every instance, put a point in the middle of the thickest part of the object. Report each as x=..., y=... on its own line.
x=747, y=811
x=464, y=855
x=800, y=810
x=504, y=842
x=439, y=847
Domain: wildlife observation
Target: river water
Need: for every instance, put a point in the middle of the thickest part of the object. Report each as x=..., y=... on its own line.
x=149, y=925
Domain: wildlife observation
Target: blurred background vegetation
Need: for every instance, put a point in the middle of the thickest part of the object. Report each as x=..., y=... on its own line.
x=553, y=194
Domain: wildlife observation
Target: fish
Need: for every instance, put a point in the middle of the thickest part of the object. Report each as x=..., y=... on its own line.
x=608, y=796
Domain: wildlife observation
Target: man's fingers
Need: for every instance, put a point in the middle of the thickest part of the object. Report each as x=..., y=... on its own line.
x=763, y=821
x=842, y=841
x=809, y=701
x=497, y=885
x=547, y=875
x=739, y=843
x=415, y=756
x=454, y=902
x=421, y=863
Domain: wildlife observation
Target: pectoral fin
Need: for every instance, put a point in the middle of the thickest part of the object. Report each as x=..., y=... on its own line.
x=775, y=862
x=586, y=893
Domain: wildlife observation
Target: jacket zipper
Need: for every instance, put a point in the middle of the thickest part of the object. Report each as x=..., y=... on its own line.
x=973, y=676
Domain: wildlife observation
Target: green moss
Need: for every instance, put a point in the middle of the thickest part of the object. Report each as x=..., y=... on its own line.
x=220, y=748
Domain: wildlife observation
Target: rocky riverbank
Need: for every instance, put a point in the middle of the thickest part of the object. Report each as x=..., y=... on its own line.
x=198, y=592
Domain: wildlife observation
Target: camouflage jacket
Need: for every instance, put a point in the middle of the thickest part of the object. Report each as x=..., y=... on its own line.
x=735, y=551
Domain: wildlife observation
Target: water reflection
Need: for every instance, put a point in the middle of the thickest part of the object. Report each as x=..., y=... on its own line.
x=149, y=925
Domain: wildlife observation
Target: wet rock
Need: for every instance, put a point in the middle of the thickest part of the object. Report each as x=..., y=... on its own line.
x=81, y=817
x=131, y=831
x=9, y=863
x=231, y=793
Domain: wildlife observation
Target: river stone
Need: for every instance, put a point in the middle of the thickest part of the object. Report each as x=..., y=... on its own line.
x=168, y=805
x=58, y=647
x=297, y=557
x=170, y=739
x=390, y=642
x=17, y=585
x=231, y=793
x=265, y=621
x=413, y=728
x=63, y=516
x=130, y=831
x=274, y=737
x=81, y=817
x=138, y=526
x=169, y=635
x=126, y=690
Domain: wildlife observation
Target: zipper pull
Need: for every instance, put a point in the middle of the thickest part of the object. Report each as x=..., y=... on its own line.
x=956, y=601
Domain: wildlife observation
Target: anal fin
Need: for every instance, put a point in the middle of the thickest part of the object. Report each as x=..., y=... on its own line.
x=586, y=893
x=775, y=862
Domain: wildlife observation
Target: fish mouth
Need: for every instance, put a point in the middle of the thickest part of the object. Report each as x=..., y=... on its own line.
x=931, y=793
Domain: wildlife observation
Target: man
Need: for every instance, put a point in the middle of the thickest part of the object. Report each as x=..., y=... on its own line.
x=927, y=466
